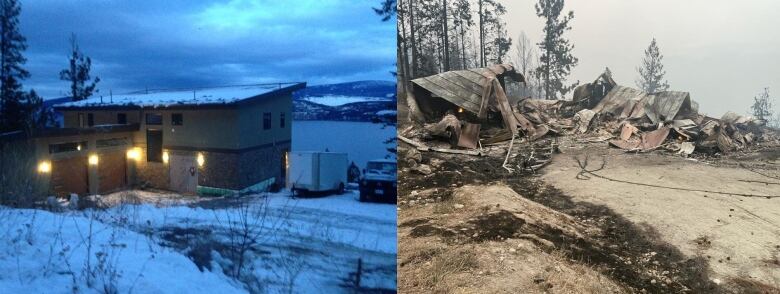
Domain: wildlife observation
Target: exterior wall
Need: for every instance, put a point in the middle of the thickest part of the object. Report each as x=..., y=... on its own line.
x=250, y=122
x=101, y=117
x=150, y=174
x=201, y=129
x=260, y=164
x=238, y=152
x=20, y=184
x=21, y=158
x=220, y=170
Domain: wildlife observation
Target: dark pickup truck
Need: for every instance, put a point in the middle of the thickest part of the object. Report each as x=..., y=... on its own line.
x=380, y=181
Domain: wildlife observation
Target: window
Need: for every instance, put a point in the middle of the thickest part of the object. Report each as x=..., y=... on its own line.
x=177, y=119
x=153, y=119
x=90, y=119
x=154, y=140
x=281, y=120
x=82, y=121
x=67, y=147
x=266, y=121
x=121, y=118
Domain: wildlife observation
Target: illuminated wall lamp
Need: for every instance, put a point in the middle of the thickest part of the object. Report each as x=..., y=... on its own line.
x=134, y=153
x=201, y=160
x=93, y=159
x=44, y=167
x=165, y=157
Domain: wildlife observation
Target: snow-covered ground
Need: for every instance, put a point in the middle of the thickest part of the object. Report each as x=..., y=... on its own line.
x=337, y=100
x=363, y=141
x=309, y=245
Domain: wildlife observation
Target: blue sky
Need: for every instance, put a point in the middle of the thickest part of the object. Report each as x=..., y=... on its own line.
x=176, y=44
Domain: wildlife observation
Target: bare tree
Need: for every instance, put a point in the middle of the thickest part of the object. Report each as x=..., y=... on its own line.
x=762, y=106
x=651, y=72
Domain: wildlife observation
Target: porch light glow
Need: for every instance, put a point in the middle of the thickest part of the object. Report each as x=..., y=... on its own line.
x=201, y=160
x=134, y=153
x=460, y=110
x=93, y=159
x=165, y=156
x=44, y=167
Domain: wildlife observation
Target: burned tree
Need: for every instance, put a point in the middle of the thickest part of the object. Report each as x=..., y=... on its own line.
x=762, y=106
x=651, y=73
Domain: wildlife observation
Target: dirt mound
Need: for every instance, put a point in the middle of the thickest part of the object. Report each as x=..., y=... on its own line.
x=494, y=226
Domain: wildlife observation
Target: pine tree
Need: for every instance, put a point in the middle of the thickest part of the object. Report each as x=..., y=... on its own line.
x=13, y=114
x=651, y=73
x=556, y=59
x=78, y=73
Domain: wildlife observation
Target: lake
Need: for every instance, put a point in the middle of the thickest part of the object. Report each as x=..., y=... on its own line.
x=363, y=141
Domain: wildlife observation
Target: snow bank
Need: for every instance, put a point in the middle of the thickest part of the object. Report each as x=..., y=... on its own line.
x=42, y=252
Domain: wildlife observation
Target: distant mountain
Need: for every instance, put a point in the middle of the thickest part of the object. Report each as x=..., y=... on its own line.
x=383, y=89
x=352, y=101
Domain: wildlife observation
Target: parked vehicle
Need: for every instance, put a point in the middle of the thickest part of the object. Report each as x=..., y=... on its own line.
x=316, y=172
x=380, y=181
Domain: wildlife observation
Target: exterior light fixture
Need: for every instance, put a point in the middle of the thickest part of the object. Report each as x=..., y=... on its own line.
x=134, y=153
x=460, y=110
x=201, y=160
x=93, y=159
x=78, y=147
x=44, y=167
x=165, y=157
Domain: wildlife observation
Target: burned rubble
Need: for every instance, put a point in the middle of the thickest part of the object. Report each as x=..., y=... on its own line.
x=469, y=112
x=467, y=133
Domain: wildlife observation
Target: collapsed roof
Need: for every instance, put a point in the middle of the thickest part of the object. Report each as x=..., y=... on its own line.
x=476, y=91
x=629, y=103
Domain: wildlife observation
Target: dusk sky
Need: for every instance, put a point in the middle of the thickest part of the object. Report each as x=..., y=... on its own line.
x=723, y=52
x=182, y=44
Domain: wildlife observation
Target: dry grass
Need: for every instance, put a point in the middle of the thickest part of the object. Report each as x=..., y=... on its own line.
x=432, y=267
x=448, y=263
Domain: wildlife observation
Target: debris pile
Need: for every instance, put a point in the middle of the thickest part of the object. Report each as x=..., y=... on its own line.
x=469, y=111
x=670, y=120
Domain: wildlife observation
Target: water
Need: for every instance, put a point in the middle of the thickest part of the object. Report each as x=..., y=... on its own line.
x=363, y=141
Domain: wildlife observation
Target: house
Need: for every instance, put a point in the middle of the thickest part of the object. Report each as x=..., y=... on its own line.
x=205, y=140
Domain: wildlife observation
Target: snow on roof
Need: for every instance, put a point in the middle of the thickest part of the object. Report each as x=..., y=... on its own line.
x=181, y=97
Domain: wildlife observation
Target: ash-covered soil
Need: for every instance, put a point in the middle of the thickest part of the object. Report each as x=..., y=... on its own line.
x=527, y=235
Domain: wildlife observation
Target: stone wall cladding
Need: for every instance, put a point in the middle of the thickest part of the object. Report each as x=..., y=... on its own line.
x=220, y=170
x=152, y=174
x=262, y=163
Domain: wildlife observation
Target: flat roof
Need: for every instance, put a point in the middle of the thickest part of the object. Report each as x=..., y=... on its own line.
x=173, y=98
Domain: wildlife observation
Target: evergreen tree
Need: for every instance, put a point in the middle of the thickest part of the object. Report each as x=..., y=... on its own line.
x=13, y=114
x=651, y=73
x=556, y=59
x=387, y=9
x=78, y=73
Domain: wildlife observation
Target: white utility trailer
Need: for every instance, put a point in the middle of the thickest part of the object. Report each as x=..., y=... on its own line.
x=310, y=171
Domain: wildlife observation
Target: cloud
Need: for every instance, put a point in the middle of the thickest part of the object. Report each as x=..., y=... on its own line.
x=174, y=44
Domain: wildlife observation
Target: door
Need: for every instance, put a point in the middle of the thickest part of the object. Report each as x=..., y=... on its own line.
x=70, y=175
x=183, y=173
x=112, y=171
x=154, y=143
